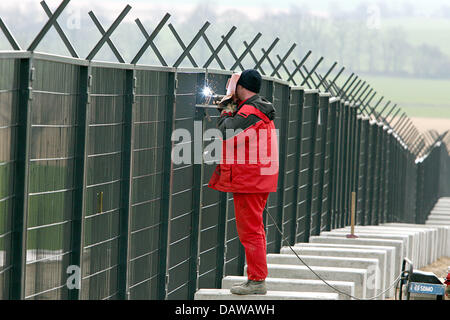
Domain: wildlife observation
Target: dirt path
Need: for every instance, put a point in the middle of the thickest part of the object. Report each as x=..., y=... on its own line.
x=439, y=124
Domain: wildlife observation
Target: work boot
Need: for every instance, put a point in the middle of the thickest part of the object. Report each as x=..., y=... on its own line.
x=249, y=287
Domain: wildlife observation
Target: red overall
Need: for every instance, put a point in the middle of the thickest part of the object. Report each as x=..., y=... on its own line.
x=250, y=184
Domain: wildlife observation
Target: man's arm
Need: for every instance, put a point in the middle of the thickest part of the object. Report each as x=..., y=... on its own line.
x=235, y=121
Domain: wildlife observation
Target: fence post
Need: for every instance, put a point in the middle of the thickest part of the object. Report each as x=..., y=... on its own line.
x=323, y=124
x=127, y=185
x=333, y=167
x=311, y=101
x=166, y=197
x=19, y=238
x=83, y=110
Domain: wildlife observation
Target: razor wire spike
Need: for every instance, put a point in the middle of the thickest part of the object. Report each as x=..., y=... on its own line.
x=149, y=40
x=60, y=31
x=219, y=47
x=48, y=25
x=12, y=41
x=108, y=33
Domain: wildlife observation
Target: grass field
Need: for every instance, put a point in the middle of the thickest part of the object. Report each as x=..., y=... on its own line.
x=424, y=98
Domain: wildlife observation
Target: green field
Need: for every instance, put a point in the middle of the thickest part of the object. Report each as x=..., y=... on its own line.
x=418, y=97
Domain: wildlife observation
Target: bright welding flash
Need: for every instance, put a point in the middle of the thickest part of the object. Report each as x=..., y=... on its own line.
x=207, y=92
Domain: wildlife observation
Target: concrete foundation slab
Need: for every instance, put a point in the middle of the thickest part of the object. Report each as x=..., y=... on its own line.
x=366, y=241
x=375, y=278
x=384, y=256
x=298, y=285
x=224, y=294
x=358, y=276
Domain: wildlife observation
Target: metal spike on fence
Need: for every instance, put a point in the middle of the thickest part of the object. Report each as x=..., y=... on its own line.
x=312, y=70
x=327, y=74
x=283, y=59
x=344, y=89
x=345, y=83
x=255, y=60
x=310, y=77
x=272, y=65
x=106, y=35
x=188, y=48
x=60, y=31
x=219, y=47
x=266, y=53
x=108, y=40
x=335, y=79
x=48, y=25
x=285, y=69
x=12, y=41
x=400, y=120
x=299, y=65
x=149, y=40
x=242, y=56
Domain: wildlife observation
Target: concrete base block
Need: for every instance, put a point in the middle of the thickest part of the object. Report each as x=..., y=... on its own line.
x=224, y=294
x=430, y=244
x=298, y=285
x=424, y=240
x=412, y=244
x=363, y=235
x=369, y=242
x=384, y=256
x=375, y=278
x=358, y=276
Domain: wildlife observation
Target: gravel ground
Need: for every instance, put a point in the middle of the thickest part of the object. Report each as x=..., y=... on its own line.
x=439, y=267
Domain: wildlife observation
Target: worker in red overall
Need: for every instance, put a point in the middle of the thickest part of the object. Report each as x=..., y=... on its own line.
x=249, y=169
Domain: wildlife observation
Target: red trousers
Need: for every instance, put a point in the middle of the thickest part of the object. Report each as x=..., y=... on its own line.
x=248, y=208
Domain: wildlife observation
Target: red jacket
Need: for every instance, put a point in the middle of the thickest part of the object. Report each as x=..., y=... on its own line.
x=258, y=170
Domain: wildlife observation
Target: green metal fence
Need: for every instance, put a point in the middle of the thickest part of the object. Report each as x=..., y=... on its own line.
x=87, y=180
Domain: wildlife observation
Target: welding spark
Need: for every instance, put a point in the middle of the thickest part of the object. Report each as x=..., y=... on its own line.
x=207, y=92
